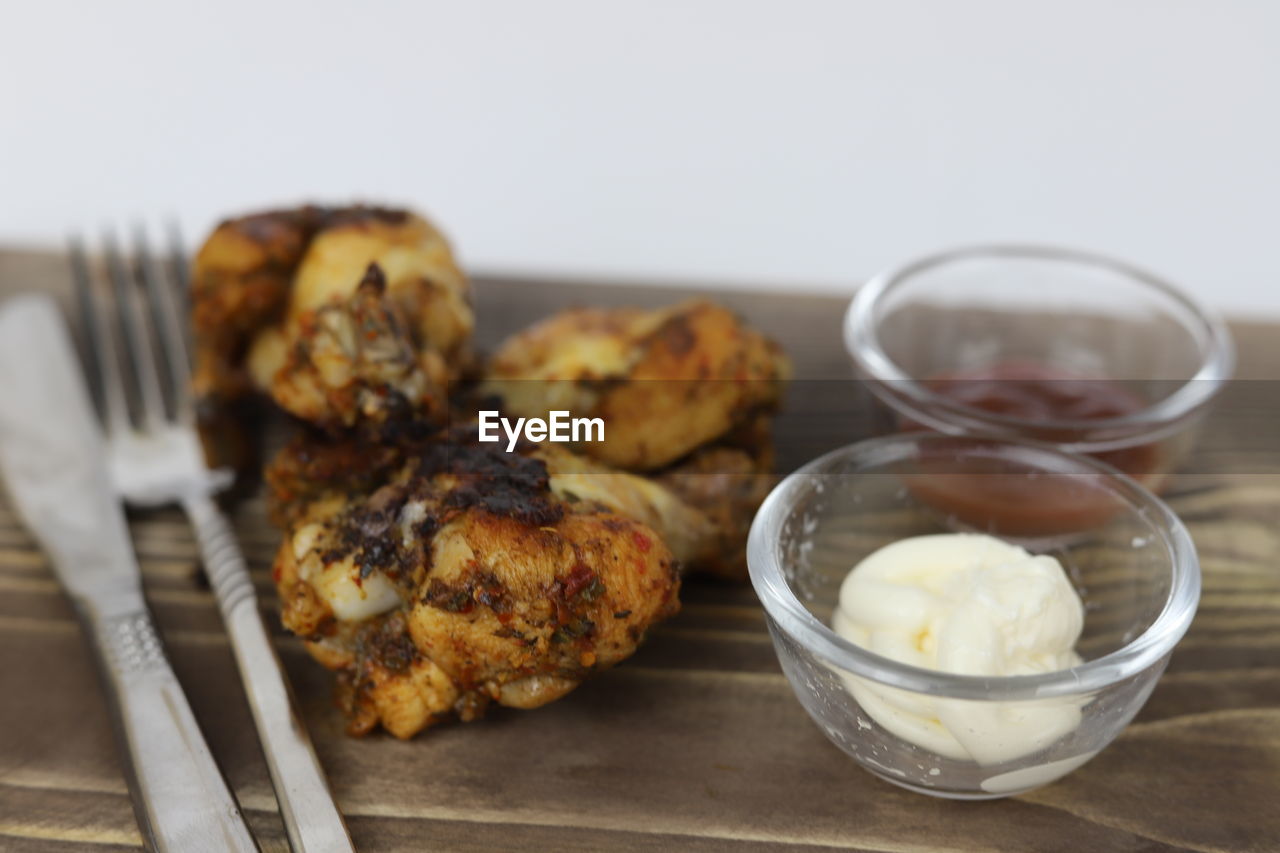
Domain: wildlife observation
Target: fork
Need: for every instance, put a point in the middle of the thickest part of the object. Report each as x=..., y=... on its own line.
x=155, y=458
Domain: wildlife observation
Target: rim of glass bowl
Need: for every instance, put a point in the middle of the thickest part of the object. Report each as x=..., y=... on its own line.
x=765, y=565
x=863, y=343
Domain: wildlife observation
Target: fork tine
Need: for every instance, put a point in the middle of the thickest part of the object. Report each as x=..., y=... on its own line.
x=105, y=369
x=173, y=344
x=136, y=332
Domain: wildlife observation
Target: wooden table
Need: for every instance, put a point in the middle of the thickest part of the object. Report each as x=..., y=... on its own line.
x=697, y=742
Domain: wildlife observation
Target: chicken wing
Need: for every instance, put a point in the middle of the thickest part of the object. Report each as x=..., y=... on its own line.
x=666, y=382
x=457, y=575
x=274, y=289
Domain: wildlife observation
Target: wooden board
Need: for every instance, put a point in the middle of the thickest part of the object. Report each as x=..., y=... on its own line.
x=697, y=742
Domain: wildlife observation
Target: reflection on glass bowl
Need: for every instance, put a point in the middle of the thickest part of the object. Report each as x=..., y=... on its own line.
x=1134, y=567
x=1075, y=349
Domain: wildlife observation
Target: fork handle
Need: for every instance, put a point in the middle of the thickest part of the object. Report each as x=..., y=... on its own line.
x=180, y=798
x=311, y=818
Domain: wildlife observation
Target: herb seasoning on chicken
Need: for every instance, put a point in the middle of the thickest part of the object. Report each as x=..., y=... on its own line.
x=463, y=578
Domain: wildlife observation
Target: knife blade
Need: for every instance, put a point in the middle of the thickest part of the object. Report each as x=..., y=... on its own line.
x=52, y=453
x=53, y=461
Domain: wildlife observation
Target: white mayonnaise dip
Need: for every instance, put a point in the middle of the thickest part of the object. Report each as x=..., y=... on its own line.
x=969, y=604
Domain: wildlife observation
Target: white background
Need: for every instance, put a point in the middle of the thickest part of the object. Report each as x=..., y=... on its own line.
x=796, y=144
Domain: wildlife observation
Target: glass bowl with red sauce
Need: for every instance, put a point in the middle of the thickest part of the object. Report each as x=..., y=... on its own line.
x=1081, y=351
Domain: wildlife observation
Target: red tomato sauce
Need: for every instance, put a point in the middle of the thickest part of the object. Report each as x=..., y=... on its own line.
x=994, y=495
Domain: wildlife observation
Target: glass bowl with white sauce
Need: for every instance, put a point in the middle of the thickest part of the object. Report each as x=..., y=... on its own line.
x=1000, y=653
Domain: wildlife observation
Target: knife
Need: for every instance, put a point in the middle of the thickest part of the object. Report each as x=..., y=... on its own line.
x=52, y=459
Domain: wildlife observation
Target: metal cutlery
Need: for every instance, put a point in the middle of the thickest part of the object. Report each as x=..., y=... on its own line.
x=156, y=458
x=53, y=460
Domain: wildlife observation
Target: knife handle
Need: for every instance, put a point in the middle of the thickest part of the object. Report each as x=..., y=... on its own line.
x=311, y=817
x=180, y=798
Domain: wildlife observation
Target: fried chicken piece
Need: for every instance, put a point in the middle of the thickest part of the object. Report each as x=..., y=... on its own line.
x=665, y=382
x=462, y=578
x=266, y=285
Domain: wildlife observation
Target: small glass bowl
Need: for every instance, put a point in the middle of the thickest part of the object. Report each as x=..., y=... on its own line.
x=1133, y=565
x=980, y=308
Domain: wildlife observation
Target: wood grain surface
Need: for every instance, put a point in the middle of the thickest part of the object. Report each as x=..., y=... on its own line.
x=697, y=742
